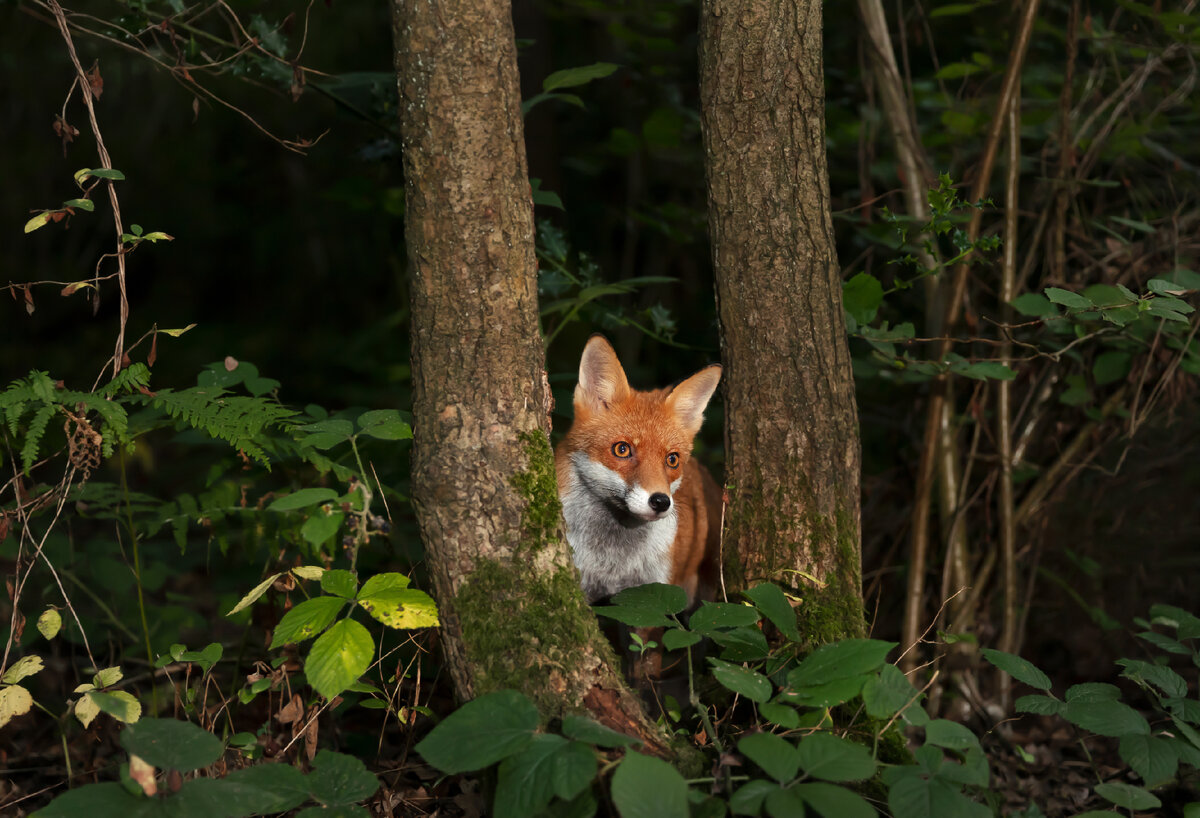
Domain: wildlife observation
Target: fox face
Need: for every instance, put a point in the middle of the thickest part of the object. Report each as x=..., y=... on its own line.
x=633, y=500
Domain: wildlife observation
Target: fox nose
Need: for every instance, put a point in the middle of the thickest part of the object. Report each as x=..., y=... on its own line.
x=659, y=502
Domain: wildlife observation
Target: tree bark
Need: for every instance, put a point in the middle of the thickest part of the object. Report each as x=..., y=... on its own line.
x=484, y=489
x=791, y=420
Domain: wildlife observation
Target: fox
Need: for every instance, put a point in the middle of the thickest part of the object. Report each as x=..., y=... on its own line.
x=637, y=507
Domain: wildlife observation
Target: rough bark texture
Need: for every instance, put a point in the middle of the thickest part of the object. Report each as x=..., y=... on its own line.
x=791, y=420
x=483, y=473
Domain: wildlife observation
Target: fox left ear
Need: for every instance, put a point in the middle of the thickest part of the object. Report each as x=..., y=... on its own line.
x=689, y=399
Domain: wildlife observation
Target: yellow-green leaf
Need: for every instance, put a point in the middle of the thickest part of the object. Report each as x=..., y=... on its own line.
x=175, y=333
x=401, y=607
x=49, y=623
x=311, y=572
x=108, y=676
x=258, y=590
x=86, y=710
x=14, y=701
x=40, y=220
x=23, y=667
x=119, y=704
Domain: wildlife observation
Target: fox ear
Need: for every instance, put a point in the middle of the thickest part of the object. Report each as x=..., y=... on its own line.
x=602, y=381
x=689, y=399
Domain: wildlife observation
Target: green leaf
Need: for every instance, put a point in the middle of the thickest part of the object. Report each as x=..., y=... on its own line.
x=1152, y=757
x=105, y=173
x=862, y=296
x=325, y=434
x=172, y=744
x=481, y=732
x=914, y=796
x=1093, y=692
x=741, y=644
x=1110, y=367
x=645, y=606
x=108, y=800
x=645, y=787
x=950, y=9
x=525, y=783
x=985, y=370
x=776, y=756
x=265, y=788
x=824, y=755
x=1068, y=299
x=303, y=499
x=1127, y=795
x=1041, y=705
x=884, y=695
x=748, y=683
x=318, y=528
x=1161, y=676
x=748, y=799
x=340, y=780
x=676, y=639
x=584, y=729
x=1033, y=305
x=574, y=769
x=339, y=657
x=839, y=660
x=1106, y=718
x=773, y=603
x=786, y=717
x=1187, y=625
x=385, y=424
x=1186, y=279
x=339, y=582
x=949, y=734
x=572, y=77
x=1020, y=669
x=833, y=801
x=711, y=616
x=956, y=70
x=828, y=694
x=306, y=620
x=783, y=803
x=120, y=704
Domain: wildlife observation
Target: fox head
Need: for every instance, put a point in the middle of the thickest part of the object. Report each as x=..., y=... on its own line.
x=629, y=448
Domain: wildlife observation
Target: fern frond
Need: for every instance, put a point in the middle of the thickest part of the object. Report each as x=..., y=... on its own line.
x=239, y=420
x=132, y=378
x=33, y=439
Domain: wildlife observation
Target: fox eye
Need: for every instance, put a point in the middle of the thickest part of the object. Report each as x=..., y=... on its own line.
x=673, y=460
x=622, y=449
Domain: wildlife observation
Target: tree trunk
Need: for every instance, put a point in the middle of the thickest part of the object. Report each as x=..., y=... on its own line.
x=484, y=488
x=791, y=421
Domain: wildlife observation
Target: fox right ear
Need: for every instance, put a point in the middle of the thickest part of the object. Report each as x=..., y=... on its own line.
x=602, y=381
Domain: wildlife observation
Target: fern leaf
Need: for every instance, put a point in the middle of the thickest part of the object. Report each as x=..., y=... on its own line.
x=37, y=428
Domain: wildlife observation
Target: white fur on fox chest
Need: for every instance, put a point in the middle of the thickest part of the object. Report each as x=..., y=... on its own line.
x=613, y=555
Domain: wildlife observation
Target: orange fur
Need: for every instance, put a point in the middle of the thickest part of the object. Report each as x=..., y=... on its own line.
x=609, y=499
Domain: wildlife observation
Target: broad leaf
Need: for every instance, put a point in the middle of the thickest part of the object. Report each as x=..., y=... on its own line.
x=338, y=779
x=645, y=787
x=172, y=744
x=1020, y=669
x=748, y=683
x=833, y=801
x=481, y=732
x=307, y=619
x=303, y=499
x=839, y=660
x=826, y=756
x=339, y=657
x=584, y=729
x=774, y=605
x=776, y=756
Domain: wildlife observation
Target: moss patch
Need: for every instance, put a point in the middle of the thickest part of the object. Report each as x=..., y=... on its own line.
x=538, y=484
